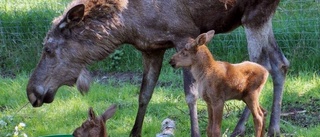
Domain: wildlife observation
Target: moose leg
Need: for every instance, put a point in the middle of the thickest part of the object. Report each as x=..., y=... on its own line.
x=191, y=94
x=279, y=67
x=152, y=63
x=263, y=49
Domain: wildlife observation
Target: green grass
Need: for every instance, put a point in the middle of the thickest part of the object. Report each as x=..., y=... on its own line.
x=69, y=108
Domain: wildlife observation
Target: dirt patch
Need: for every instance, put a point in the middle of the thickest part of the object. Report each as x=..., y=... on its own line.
x=303, y=114
x=134, y=78
x=120, y=77
x=7, y=74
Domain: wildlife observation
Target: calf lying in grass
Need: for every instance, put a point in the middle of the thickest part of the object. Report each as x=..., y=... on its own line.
x=219, y=81
x=95, y=126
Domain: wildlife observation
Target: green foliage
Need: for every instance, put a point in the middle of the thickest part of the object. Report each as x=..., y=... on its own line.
x=23, y=25
x=116, y=57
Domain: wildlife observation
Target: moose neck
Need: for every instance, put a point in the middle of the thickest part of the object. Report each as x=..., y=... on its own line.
x=99, y=32
x=99, y=38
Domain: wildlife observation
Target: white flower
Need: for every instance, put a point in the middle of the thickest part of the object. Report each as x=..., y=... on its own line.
x=16, y=133
x=21, y=126
x=24, y=135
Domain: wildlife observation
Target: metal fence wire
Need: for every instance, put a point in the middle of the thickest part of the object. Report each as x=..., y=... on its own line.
x=24, y=23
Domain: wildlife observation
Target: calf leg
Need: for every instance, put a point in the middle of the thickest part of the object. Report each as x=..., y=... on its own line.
x=210, y=120
x=252, y=101
x=240, y=128
x=215, y=113
x=264, y=113
x=258, y=118
x=152, y=62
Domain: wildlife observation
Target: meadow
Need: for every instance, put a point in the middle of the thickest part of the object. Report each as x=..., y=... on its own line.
x=24, y=23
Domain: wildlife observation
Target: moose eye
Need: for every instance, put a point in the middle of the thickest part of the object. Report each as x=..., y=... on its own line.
x=48, y=51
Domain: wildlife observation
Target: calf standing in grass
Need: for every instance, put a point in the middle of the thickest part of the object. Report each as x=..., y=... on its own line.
x=95, y=126
x=219, y=81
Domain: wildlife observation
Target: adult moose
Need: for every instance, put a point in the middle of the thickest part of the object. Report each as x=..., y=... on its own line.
x=89, y=30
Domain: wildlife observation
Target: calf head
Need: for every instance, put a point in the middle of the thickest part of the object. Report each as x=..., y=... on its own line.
x=187, y=56
x=94, y=126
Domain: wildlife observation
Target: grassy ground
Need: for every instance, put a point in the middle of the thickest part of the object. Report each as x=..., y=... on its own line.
x=70, y=108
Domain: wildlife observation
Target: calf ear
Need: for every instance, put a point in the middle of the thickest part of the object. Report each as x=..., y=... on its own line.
x=73, y=17
x=91, y=114
x=204, y=37
x=109, y=112
x=210, y=35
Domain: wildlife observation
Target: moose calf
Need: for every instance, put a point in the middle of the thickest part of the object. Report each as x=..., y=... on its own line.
x=95, y=126
x=167, y=126
x=219, y=81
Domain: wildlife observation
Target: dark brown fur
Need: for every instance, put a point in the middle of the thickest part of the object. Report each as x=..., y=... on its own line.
x=89, y=30
x=219, y=81
x=94, y=126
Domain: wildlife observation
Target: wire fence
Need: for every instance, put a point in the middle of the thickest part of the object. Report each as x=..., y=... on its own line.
x=24, y=23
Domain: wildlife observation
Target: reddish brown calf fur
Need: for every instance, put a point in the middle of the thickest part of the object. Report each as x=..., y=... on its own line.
x=219, y=81
x=95, y=126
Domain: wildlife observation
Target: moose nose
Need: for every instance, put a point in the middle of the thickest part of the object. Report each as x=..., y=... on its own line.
x=35, y=95
x=34, y=100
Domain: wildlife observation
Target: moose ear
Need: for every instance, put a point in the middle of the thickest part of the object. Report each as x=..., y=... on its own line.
x=109, y=112
x=205, y=37
x=91, y=114
x=73, y=17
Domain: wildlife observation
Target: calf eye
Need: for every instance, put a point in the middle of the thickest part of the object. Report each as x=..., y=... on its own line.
x=184, y=54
